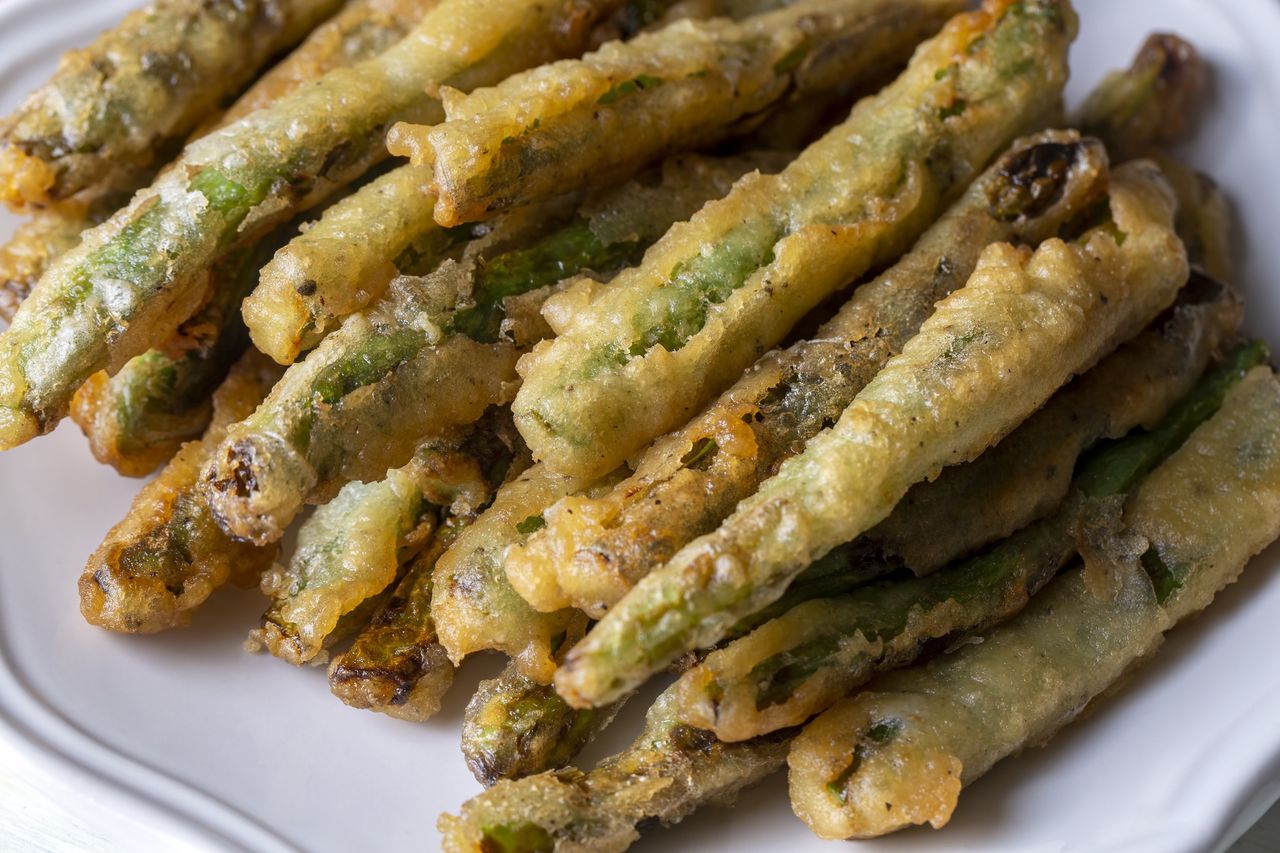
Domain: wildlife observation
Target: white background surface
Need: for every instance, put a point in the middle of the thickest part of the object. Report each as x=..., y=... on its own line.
x=152, y=743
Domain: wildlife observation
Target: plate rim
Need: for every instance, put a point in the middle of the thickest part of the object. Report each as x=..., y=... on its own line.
x=190, y=815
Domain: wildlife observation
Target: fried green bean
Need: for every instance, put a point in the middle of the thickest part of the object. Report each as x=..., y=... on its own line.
x=113, y=109
x=991, y=354
x=668, y=772
x=361, y=30
x=716, y=292
x=167, y=555
x=345, y=261
x=1152, y=103
x=592, y=552
x=399, y=370
x=515, y=727
x=396, y=666
x=473, y=605
x=34, y=245
x=1028, y=474
x=803, y=662
x=347, y=258
x=1205, y=220
x=899, y=753
x=353, y=547
x=690, y=85
x=1205, y=314
x=361, y=403
x=137, y=420
x=133, y=279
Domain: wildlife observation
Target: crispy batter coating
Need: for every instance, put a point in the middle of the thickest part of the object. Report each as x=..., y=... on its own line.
x=396, y=370
x=117, y=107
x=345, y=261
x=593, y=551
x=804, y=661
x=29, y=252
x=515, y=727
x=136, y=277
x=137, y=419
x=347, y=258
x=353, y=547
x=475, y=608
x=992, y=353
x=358, y=406
x=360, y=30
x=1152, y=103
x=899, y=753
x=395, y=665
x=717, y=291
x=690, y=85
x=363, y=28
x=668, y=772
x=167, y=555
x=1027, y=475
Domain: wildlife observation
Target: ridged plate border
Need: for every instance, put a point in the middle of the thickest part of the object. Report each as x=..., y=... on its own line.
x=1237, y=778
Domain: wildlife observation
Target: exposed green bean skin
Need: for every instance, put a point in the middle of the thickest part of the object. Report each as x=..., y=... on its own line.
x=363, y=28
x=134, y=278
x=347, y=258
x=396, y=666
x=592, y=552
x=115, y=108
x=398, y=369
x=845, y=569
x=515, y=727
x=167, y=556
x=806, y=660
x=353, y=547
x=1150, y=104
x=355, y=408
x=899, y=753
x=687, y=86
x=668, y=772
x=990, y=355
x=137, y=419
x=716, y=292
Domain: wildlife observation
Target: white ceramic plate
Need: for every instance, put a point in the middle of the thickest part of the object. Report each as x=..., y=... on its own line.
x=207, y=746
